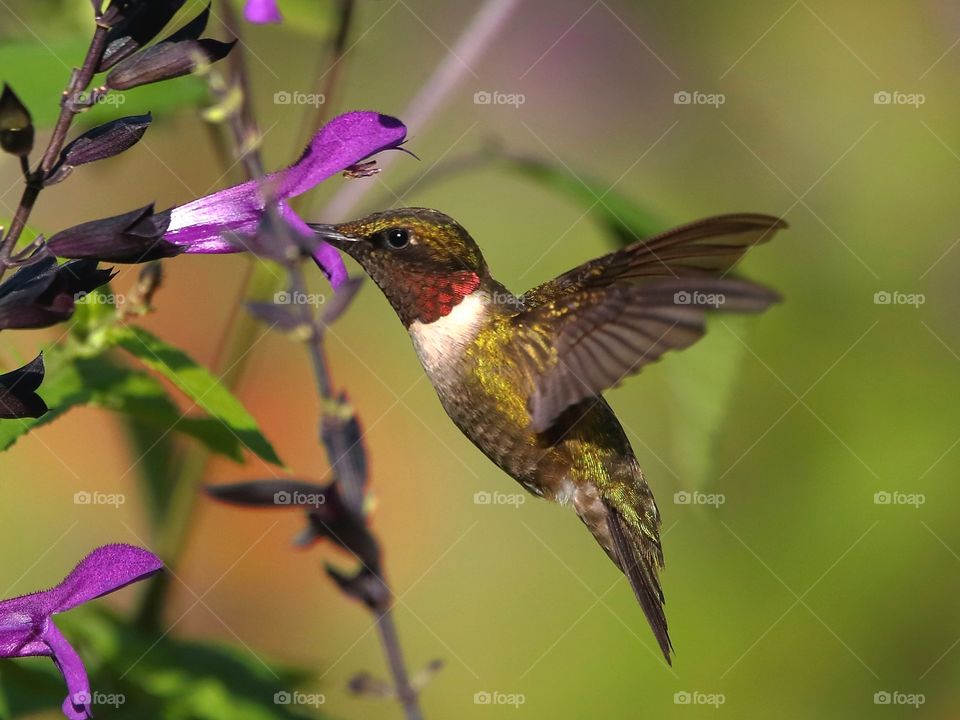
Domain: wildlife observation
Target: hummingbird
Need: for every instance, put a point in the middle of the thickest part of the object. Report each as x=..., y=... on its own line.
x=523, y=376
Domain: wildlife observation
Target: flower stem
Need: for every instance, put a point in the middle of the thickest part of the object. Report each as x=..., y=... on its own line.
x=390, y=641
x=69, y=108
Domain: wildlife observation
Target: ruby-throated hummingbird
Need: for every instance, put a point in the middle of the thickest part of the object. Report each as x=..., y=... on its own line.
x=522, y=375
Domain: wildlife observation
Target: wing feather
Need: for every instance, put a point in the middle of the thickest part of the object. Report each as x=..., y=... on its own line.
x=607, y=319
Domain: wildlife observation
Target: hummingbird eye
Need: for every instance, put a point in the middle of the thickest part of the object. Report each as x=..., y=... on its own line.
x=398, y=238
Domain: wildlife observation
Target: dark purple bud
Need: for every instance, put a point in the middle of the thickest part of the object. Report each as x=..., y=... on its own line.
x=44, y=293
x=343, y=436
x=366, y=685
x=140, y=24
x=336, y=523
x=101, y=142
x=132, y=237
x=166, y=60
x=18, y=397
x=16, y=127
x=289, y=493
x=327, y=516
x=364, y=586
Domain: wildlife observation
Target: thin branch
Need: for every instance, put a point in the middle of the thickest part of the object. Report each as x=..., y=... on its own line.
x=70, y=107
x=331, y=76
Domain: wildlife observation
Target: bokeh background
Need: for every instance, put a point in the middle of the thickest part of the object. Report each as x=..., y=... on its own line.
x=800, y=592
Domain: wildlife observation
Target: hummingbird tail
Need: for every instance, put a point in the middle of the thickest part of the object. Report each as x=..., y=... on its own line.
x=640, y=559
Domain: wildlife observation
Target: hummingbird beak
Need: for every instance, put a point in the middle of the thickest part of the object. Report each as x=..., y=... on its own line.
x=330, y=234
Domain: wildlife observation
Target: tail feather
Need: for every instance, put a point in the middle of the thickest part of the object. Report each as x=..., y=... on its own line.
x=640, y=563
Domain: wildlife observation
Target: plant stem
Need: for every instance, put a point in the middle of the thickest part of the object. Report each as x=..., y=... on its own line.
x=390, y=641
x=331, y=76
x=69, y=108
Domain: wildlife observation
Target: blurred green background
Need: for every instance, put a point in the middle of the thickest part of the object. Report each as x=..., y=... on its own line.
x=803, y=594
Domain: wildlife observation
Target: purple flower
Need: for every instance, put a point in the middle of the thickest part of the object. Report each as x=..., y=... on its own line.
x=346, y=140
x=27, y=628
x=262, y=11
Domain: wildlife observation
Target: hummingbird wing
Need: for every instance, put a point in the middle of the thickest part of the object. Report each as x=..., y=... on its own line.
x=606, y=319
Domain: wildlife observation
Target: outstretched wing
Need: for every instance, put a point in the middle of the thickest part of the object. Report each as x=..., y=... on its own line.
x=607, y=319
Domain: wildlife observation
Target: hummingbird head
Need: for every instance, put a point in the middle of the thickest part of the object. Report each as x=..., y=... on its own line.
x=424, y=261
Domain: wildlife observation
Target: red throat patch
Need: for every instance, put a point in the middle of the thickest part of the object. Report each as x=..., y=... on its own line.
x=437, y=296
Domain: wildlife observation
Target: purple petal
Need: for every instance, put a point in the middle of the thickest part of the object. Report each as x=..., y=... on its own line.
x=326, y=256
x=77, y=704
x=262, y=11
x=103, y=571
x=344, y=141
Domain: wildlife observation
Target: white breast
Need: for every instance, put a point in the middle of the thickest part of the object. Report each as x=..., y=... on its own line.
x=441, y=341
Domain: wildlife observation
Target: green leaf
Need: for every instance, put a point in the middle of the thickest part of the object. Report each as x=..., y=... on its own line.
x=625, y=220
x=701, y=382
x=197, y=383
x=91, y=312
x=100, y=382
x=169, y=677
x=39, y=71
